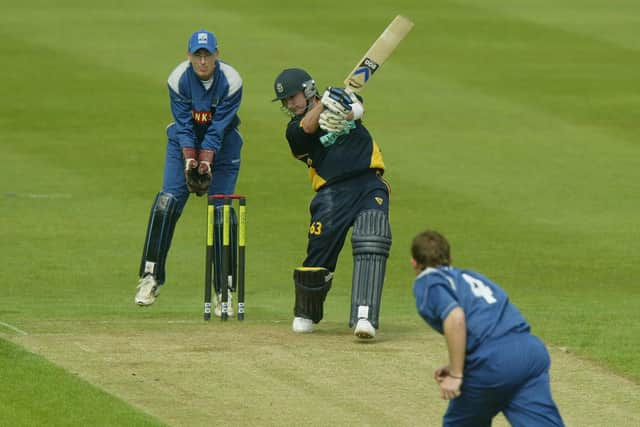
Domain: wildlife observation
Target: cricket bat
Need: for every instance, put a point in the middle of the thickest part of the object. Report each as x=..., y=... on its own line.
x=378, y=53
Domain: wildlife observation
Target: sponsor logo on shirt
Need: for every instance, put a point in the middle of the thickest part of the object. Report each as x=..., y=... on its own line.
x=201, y=117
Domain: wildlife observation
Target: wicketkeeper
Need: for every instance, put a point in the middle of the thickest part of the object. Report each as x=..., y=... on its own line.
x=345, y=165
x=203, y=150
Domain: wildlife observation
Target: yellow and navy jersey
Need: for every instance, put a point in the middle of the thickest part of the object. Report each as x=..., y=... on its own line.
x=351, y=154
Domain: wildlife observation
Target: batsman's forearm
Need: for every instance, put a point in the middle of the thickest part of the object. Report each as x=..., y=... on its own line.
x=455, y=332
x=309, y=122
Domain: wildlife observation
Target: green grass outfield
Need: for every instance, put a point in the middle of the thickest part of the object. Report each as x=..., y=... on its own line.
x=512, y=127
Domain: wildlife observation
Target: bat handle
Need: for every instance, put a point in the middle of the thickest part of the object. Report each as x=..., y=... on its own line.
x=328, y=139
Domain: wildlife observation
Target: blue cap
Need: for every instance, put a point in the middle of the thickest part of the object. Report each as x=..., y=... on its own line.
x=202, y=39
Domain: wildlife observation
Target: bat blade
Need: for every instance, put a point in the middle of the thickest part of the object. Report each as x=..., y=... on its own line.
x=378, y=53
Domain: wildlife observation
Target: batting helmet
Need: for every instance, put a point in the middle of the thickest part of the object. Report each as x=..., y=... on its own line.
x=294, y=80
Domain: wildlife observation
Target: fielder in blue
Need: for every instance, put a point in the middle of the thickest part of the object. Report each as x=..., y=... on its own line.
x=203, y=150
x=495, y=364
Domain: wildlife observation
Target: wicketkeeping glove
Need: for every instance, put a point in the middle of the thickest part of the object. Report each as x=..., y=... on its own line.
x=205, y=159
x=190, y=162
x=197, y=183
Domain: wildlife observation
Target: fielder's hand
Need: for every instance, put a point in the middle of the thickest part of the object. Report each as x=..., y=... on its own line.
x=337, y=100
x=449, y=385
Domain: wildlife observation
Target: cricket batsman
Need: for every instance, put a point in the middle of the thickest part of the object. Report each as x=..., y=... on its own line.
x=345, y=165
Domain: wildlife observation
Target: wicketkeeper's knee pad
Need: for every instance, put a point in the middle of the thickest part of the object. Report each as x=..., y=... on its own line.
x=371, y=243
x=162, y=221
x=312, y=285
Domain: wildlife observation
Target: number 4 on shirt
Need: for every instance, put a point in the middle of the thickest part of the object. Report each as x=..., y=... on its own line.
x=479, y=289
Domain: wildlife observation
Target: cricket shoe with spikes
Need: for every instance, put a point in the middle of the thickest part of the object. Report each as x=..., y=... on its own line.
x=364, y=330
x=148, y=290
x=302, y=326
x=217, y=310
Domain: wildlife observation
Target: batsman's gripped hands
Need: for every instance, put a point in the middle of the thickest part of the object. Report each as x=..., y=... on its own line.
x=332, y=122
x=339, y=114
x=337, y=100
x=449, y=386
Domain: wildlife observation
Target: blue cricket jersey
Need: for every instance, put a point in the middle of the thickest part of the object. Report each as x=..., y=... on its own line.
x=203, y=116
x=488, y=312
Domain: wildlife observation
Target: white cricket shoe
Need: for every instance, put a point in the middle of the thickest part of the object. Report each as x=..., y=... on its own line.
x=302, y=325
x=364, y=330
x=217, y=310
x=148, y=290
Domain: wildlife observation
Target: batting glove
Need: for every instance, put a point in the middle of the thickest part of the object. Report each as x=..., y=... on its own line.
x=332, y=122
x=336, y=100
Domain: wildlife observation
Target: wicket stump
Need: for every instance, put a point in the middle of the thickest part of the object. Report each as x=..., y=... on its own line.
x=229, y=276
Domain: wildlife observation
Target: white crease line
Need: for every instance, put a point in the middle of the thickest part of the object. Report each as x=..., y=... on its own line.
x=84, y=348
x=39, y=196
x=13, y=328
